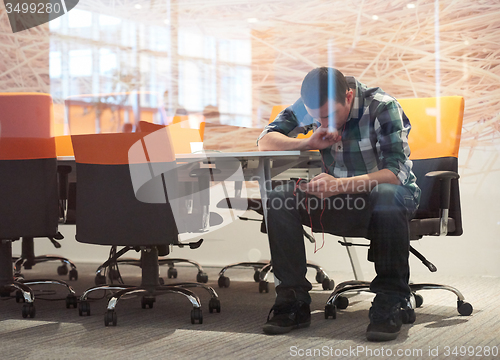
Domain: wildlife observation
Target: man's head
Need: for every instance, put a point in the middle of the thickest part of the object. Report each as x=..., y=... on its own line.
x=325, y=93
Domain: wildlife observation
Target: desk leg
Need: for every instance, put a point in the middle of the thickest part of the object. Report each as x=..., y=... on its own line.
x=264, y=176
x=226, y=195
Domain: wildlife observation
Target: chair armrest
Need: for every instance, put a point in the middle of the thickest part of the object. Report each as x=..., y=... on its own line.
x=443, y=174
x=445, y=178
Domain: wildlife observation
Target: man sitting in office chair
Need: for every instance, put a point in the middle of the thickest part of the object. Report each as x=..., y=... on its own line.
x=367, y=183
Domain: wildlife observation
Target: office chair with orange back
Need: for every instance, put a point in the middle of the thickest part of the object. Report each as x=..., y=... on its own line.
x=126, y=196
x=28, y=259
x=28, y=187
x=183, y=140
x=434, y=142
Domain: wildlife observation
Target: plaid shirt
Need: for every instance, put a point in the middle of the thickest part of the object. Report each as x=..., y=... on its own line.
x=375, y=136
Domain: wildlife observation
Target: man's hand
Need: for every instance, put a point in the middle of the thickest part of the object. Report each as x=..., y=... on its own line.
x=321, y=139
x=322, y=186
x=325, y=185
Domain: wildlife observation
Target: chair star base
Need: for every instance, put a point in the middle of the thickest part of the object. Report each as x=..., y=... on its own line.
x=337, y=300
x=151, y=286
x=263, y=268
x=61, y=270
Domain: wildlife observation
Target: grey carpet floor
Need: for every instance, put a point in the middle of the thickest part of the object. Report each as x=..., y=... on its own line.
x=166, y=332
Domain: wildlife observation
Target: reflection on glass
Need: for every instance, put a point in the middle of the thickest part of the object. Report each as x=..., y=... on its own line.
x=105, y=20
x=128, y=54
x=79, y=18
x=55, y=64
x=80, y=62
x=107, y=61
x=55, y=24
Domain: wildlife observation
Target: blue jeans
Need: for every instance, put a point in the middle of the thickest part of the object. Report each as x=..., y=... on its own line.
x=382, y=216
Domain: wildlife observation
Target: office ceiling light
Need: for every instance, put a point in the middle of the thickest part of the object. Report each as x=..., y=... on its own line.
x=252, y=20
x=410, y=6
x=138, y=6
x=375, y=17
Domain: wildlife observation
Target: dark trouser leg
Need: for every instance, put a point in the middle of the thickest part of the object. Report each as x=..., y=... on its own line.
x=392, y=207
x=286, y=214
x=286, y=243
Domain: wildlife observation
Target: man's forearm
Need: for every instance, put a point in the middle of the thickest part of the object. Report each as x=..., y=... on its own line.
x=275, y=141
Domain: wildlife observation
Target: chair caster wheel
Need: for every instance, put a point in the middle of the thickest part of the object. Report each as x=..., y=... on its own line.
x=71, y=300
x=464, y=308
x=161, y=281
x=214, y=304
x=256, y=276
x=172, y=273
x=223, y=281
x=419, y=300
x=196, y=315
x=100, y=280
x=62, y=270
x=342, y=302
x=202, y=277
x=408, y=316
x=84, y=308
x=110, y=318
x=73, y=274
x=330, y=311
x=328, y=284
x=263, y=287
x=28, y=310
x=147, y=301
x=320, y=276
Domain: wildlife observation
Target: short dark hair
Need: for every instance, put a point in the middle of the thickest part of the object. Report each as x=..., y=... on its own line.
x=314, y=91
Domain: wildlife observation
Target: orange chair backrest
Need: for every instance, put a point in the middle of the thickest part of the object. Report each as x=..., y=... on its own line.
x=118, y=148
x=26, y=126
x=434, y=136
x=64, y=147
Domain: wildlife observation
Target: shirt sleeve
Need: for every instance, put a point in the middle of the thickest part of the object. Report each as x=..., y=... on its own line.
x=392, y=127
x=292, y=121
